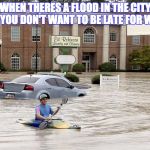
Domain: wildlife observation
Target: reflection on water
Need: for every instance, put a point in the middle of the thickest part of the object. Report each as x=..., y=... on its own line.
x=111, y=118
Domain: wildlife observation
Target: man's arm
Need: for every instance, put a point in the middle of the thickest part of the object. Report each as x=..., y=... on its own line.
x=38, y=115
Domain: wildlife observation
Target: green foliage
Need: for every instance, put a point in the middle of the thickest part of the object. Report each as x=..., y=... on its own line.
x=137, y=1
x=107, y=67
x=78, y=68
x=64, y=51
x=15, y=0
x=141, y=57
x=56, y=70
x=2, y=68
x=96, y=78
x=97, y=0
x=72, y=77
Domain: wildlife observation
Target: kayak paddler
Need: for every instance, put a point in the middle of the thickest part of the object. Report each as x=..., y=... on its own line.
x=44, y=110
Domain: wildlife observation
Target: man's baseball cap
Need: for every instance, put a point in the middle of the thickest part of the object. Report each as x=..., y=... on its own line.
x=43, y=96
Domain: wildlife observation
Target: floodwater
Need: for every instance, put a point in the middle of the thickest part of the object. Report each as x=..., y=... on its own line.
x=111, y=119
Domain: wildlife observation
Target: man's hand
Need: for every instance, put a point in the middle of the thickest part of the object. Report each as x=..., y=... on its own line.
x=59, y=107
x=48, y=118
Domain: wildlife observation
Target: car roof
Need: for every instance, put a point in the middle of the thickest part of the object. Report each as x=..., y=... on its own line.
x=43, y=75
x=46, y=76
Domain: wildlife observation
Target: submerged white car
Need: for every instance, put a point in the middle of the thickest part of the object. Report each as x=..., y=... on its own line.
x=32, y=86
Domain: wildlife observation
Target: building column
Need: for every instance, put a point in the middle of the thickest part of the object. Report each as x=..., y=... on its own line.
x=123, y=48
x=55, y=50
x=105, y=44
x=75, y=50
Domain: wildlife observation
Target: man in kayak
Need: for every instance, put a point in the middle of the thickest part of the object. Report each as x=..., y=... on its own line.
x=44, y=111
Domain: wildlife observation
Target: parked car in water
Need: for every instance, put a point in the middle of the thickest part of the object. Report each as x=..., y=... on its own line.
x=32, y=86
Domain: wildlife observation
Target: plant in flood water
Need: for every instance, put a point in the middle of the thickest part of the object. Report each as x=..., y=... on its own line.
x=72, y=77
x=78, y=68
x=96, y=78
x=107, y=67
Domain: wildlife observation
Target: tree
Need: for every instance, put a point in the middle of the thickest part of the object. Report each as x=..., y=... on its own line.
x=15, y=0
x=141, y=57
x=137, y=1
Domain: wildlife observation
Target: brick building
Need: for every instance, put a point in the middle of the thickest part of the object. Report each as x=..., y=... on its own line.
x=99, y=44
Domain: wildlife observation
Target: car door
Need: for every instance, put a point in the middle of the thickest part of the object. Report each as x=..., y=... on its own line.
x=66, y=88
x=53, y=89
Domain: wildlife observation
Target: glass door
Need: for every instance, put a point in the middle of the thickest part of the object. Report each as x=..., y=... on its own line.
x=86, y=61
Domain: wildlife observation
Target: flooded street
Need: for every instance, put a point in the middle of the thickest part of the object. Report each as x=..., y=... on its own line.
x=111, y=119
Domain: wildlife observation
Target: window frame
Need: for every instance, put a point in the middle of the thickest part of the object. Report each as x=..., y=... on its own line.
x=112, y=59
x=113, y=37
x=57, y=80
x=136, y=67
x=25, y=79
x=136, y=40
x=33, y=58
x=89, y=37
x=15, y=33
x=34, y=28
x=13, y=66
x=47, y=81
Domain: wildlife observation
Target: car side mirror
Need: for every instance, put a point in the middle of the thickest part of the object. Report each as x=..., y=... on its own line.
x=71, y=86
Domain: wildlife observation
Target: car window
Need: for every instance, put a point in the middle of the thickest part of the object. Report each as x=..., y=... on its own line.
x=25, y=80
x=52, y=82
x=62, y=83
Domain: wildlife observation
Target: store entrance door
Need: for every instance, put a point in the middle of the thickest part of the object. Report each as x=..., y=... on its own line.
x=86, y=63
x=86, y=60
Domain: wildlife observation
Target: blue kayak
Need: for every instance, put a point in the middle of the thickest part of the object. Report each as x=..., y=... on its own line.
x=55, y=123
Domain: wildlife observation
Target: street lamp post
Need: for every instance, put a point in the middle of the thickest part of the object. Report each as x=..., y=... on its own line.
x=1, y=50
x=36, y=49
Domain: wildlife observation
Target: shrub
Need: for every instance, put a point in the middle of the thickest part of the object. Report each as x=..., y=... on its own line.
x=78, y=68
x=56, y=70
x=30, y=72
x=96, y=78
x=2, y=68
x=107, y=67
x=72, y=77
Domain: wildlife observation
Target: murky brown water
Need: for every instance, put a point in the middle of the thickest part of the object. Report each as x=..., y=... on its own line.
x=111, y=119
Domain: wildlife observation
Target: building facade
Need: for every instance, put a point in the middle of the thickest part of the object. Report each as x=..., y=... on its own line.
x=99, y=44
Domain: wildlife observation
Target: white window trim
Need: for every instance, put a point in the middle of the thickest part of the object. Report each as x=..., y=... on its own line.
x=113, y=58
x=38, y=60
x=88, y=34
x=138, y=67
x=116, y=37
x=11, y=62
x=38, y=33
x=15, y=39
x=139, y=40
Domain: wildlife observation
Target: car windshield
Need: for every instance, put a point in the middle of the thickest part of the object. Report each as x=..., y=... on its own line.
x=25, y=80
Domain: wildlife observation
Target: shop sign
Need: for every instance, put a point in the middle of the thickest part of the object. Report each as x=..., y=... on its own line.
x=64, y=41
